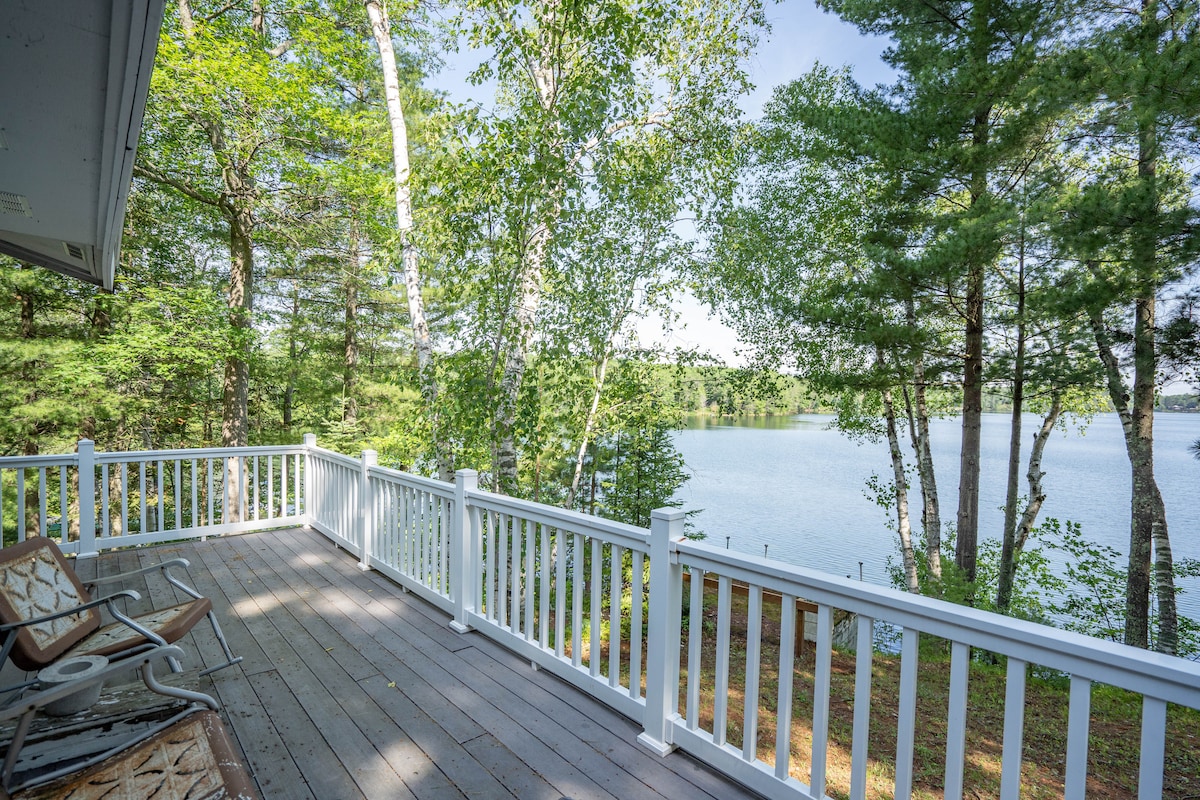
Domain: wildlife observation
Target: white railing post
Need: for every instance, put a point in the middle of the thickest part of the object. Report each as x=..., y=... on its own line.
x=464, y=578
x=666, y=610
x=310, y=442
x=86, y=475
x=366, y=509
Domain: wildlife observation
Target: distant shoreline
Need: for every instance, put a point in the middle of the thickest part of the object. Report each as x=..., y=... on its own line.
x=705, y=414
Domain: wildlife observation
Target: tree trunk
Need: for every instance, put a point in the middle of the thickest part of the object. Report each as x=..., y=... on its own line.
x=1147, y=515
x=236, y=388
x=350, y=364
x=931, y=516
x=900, y=484
x=1008, y=551
x=422, y=341
x=589, y=426
x=1034, y=474
x=1148, y=524
x=518, y=343
x=1140, y=444
x=1033, y=506
x=1149, y=507
x=289, y=392
x=235, y=419
x=186, y=21
x=1148, y=529
x=597, y=390
x=533, y=264
x=236, y=204
x=967, y=544
x=30, y=445
x=1164, y=581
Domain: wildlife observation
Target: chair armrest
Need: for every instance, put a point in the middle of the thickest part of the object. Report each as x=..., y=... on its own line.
x=106, y=600
x=164, y=567
x=174, y=562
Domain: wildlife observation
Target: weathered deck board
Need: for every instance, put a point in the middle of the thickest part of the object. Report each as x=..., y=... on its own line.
x=352, y=688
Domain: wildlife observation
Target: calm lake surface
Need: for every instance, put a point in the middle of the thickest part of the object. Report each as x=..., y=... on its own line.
x=798, y=487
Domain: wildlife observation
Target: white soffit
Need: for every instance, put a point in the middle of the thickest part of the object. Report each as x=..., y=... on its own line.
x=74, y=75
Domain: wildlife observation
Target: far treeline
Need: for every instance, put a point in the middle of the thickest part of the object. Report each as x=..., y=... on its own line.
x=316, y=241
x=729, y=392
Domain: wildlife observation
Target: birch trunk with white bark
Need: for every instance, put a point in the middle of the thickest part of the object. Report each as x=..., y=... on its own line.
x=519, y=339
x=900, y=487
x=931, y=515
x=422, y=340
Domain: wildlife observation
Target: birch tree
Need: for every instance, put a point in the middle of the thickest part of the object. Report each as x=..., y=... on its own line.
x=1130, y=220
x=413, y=283
x=574, y=79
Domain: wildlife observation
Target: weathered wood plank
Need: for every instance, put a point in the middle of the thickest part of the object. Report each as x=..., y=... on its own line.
x=338, y=691
x=340, y=569
x=322, y=769
x=212, y=578
x=273, y=763
x=308, y=703
x=249, y=721
x=506, y=768
x=379, y=639
x=623, y=778
x=470, y=776
x=541, y=750
x=682, y=775
x=596, y=722
x=307, y=606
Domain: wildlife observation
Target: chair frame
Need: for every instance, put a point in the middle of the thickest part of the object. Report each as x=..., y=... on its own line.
x=26, y=707
x=165, y=568
x=9, y=631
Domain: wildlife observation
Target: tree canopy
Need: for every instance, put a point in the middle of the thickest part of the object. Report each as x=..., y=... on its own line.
x=318, y=241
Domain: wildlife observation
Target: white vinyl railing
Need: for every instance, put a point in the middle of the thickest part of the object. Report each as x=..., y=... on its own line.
x=765, y=766
x=92, y=501
x=564, y=589
x=409, y=529
x=333, y=495
x=602, y=605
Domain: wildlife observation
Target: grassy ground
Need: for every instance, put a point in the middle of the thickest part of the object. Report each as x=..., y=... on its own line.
x=1115, y=729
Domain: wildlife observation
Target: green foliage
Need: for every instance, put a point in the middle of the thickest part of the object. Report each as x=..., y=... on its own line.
x=1178, y=402
x=51, y=390
x=1094, y=601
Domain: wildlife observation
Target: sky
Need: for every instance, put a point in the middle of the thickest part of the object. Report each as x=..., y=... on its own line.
x=801, y=34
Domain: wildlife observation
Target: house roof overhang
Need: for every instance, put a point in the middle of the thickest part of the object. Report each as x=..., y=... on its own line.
x=74, y=76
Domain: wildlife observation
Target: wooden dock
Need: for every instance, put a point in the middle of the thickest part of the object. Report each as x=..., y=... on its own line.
x=351, y=688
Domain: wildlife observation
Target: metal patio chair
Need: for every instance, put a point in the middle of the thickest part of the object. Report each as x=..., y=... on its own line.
x=171, y=744
x=46, y=612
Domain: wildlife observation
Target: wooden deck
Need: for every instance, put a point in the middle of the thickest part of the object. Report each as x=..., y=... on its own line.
x=351, y=688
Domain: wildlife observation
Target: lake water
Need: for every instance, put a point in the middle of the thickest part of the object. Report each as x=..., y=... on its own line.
x=799, y=487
